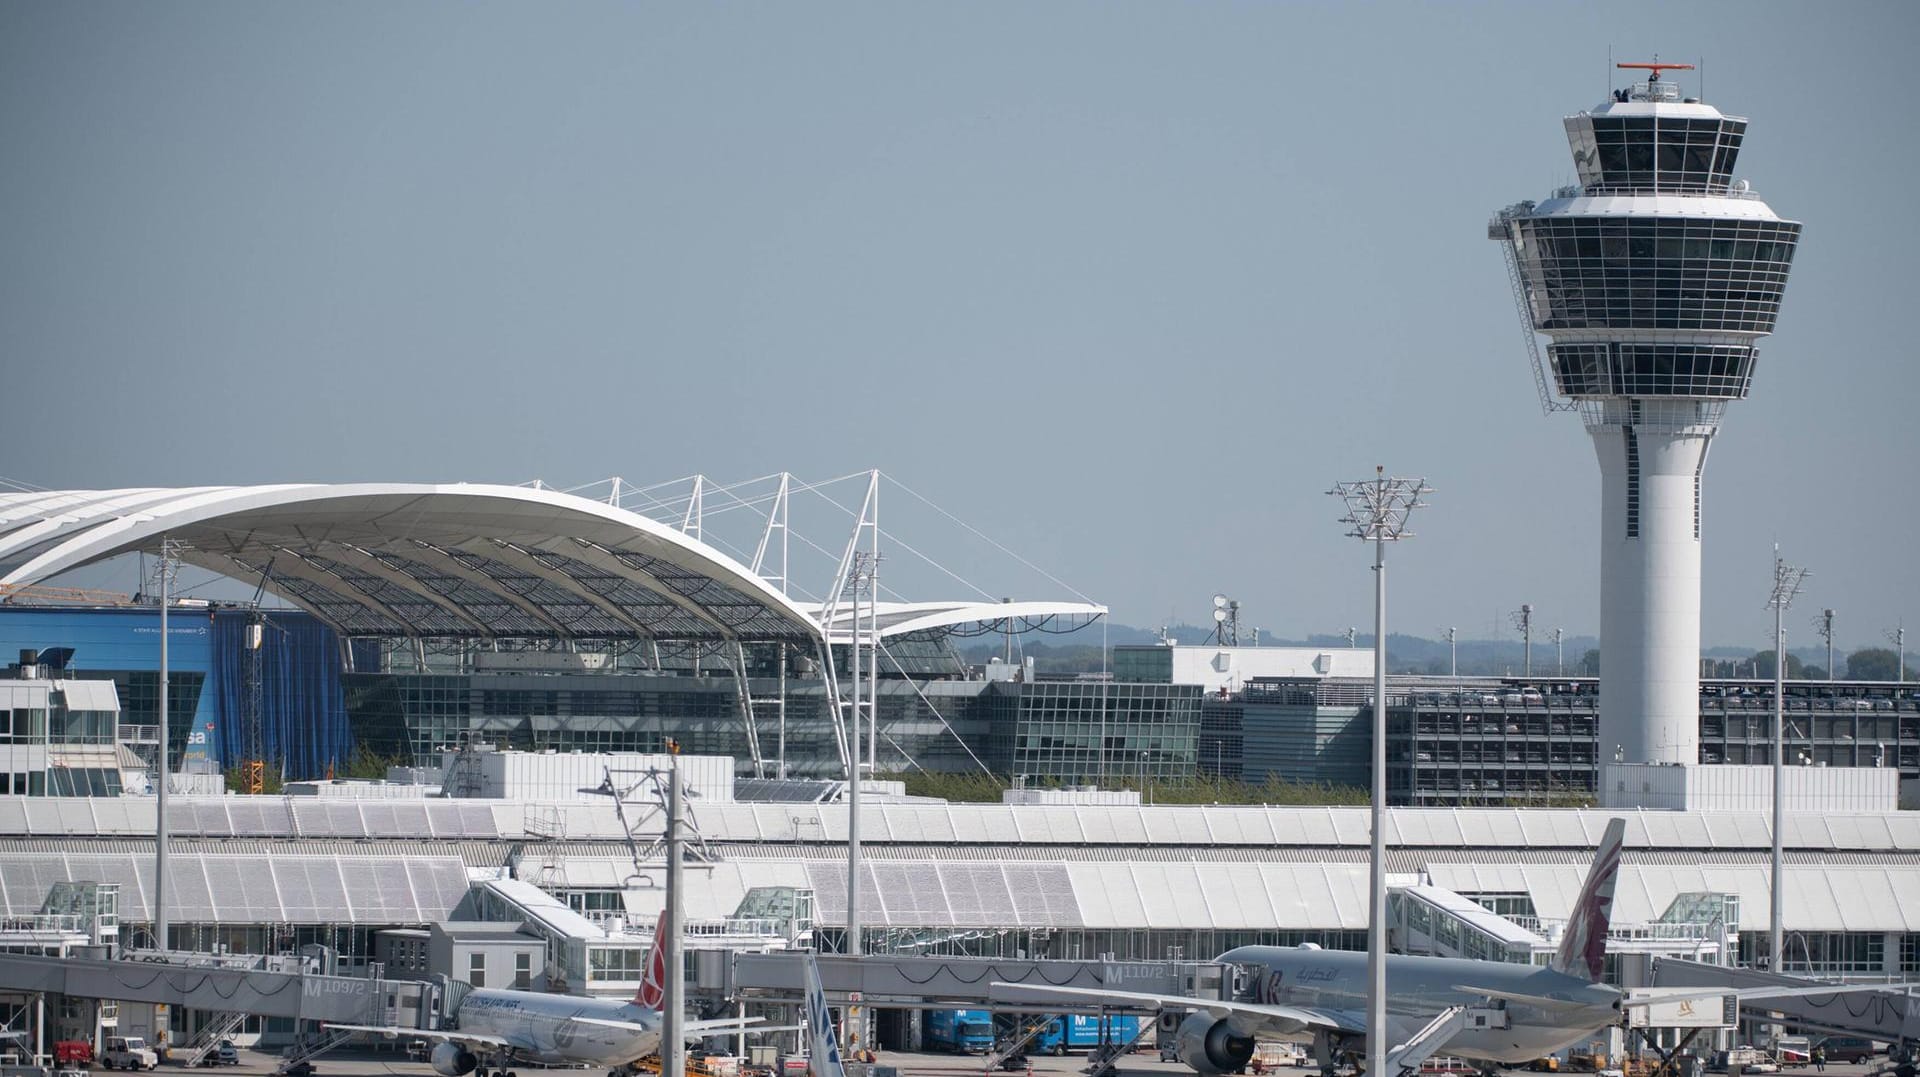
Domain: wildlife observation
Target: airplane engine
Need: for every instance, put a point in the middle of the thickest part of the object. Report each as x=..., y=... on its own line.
x=1210, y=1046
x=450, y=1060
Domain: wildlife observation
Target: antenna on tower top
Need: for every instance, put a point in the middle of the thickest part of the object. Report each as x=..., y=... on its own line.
x=1656, y=67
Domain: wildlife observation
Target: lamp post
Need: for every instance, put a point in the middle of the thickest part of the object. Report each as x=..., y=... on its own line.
x=1378, y=510
x=169, y=565
x=1786, y=584
x=673, y=1041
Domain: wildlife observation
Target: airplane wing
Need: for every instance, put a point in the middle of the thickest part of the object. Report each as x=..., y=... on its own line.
x=742, y=1024
x=449, y=1035
x=729, y=1024
x=1252, y=1016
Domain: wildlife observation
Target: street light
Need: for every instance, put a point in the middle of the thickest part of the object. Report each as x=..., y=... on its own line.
x=1378, y=510
x=1786, y=584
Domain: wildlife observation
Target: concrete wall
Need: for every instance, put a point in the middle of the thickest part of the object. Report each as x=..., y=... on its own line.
x=453, y=949
x=551, y=776
x=1723, y=787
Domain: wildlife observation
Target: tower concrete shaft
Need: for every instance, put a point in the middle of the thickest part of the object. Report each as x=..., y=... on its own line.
x=1653, y=281
x=1650, y=589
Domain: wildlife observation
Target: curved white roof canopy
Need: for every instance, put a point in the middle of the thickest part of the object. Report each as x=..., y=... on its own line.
x=963, y=617
x=396, y=559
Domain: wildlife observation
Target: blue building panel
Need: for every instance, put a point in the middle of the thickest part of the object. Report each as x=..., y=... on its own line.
x=303, y=713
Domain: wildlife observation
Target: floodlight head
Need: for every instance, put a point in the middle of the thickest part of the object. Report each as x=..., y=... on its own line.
x=1378, y=508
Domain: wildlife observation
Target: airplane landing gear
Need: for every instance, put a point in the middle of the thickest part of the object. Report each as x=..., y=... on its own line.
x=1324, y=1054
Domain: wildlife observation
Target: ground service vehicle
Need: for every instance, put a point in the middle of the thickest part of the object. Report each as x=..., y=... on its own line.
x=129, y=1053
x=1749, y=1059
x=1851, y=1049
x=1793, y=1051
x=965, y=1031
x=1082, y=1032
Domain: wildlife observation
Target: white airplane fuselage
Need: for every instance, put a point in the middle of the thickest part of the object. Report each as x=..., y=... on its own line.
x=1420, y=987
x=548, y=1023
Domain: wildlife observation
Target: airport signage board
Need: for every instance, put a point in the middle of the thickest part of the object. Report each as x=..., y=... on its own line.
x=1648, y=1010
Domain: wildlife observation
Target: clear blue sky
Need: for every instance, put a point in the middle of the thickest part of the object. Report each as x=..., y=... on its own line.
x=1125, y=285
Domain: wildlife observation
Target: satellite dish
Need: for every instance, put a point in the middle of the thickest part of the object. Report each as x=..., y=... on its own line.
x=1219, y=615
x=1219, y=602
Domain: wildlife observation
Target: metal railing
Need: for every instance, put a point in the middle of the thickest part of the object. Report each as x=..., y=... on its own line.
x=1732, y=190
x=62, y=923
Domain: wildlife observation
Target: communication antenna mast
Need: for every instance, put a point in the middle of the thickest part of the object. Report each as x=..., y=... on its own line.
x=1898, y=637
x=1786, y=584
x=1226, y=621
x=1523, y=620
x=1559, y=653
x=1453, y=647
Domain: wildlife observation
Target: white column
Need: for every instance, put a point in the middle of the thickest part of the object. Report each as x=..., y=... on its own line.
x=1650, y=598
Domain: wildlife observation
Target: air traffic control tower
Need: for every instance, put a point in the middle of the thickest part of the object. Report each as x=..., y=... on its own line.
x=1653, y=279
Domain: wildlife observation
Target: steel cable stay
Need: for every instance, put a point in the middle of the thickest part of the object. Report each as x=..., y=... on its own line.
x=976, y=532
x=898, y=668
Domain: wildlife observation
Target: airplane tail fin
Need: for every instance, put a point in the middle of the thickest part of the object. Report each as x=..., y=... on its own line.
x=653, y=983
x=821, y=1045
x=1583, y=949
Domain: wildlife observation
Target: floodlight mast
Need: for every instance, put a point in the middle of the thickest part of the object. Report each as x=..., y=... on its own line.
x=673, y=1046
x=1378, y=510
x=169, y=554
x=1786, y=584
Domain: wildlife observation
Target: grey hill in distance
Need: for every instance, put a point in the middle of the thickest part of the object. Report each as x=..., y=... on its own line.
x=1079, y=652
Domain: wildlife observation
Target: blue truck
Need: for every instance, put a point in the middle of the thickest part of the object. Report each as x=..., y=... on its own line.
x=1081, y=1032
x=962, y=1031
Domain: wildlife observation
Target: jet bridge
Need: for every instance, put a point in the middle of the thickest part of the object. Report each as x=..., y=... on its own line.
x=1892, y=1015
x=224, y=989
x=914, y=982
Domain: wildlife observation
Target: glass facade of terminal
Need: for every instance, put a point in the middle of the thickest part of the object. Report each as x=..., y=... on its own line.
x=1070, y=730
x=1305, y=731
x=1113, y=732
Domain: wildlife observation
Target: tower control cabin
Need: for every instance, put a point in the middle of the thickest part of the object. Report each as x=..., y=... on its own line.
x=1653, y=279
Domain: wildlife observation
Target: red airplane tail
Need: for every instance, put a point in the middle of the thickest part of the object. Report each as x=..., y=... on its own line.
x=653, y=982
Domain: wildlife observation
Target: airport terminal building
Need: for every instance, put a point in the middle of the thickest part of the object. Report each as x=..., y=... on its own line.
x=436, y=618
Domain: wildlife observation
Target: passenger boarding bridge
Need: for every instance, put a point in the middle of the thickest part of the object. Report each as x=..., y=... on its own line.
x=1434, y=921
